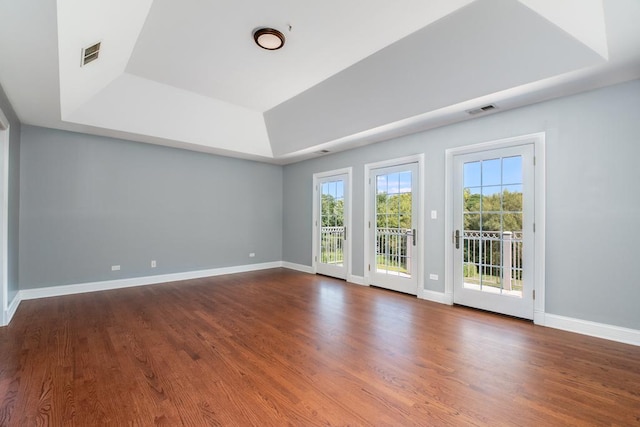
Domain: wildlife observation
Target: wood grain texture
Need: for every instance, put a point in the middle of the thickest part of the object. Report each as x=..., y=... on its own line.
x=280, y=347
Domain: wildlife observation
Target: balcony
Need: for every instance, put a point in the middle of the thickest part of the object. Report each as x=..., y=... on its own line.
x=486, y=267
x=492, y=261
x=332, y=245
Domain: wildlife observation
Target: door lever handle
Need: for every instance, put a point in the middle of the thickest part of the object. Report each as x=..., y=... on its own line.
x=456, y=239
x=412, y=233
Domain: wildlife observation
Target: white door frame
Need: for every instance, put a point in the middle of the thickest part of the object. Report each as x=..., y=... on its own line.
x=538, y=141
x=419, y=159
x=347, y=220
x=4, y=218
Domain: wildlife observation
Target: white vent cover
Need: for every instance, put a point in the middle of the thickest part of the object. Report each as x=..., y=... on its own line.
x=484, y=109
x=322, y=152
x=90, y=54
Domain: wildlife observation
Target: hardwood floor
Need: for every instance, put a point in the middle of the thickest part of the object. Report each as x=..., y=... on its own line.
x=280, y=347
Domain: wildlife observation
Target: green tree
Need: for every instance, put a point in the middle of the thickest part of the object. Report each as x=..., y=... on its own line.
x=332, y=211
x=393, y=211
x=496, y=212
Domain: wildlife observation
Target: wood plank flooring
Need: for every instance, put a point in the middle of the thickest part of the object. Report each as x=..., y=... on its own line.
x=279, y=347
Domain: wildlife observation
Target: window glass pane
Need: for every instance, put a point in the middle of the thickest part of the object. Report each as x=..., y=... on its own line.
x=405, y=201
x=491, y=198
x=491, y=222
x=381, y=184
x=491, y=172
x=405, y=182
x=339, y=189
x=325, y=188
x=333, y=188
x=472, y=175
x=512, y=222
x=393, y=181
x=512, y=198
x=472, y=199
x=405, y=221
x=512, y=170
x=471, y=222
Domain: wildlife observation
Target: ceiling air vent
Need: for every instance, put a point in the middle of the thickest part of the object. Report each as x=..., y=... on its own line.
x=90, y=53
x=322, y=152
x=484, y=109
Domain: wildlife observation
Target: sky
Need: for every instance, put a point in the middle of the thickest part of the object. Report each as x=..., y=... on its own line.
x=394, y=183
x=486, y=177
x=494, y=175
x=334, y=188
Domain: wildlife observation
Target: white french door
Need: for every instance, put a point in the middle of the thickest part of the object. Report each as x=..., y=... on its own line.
x=393, y=225
x=493, y=226
x=332, y=208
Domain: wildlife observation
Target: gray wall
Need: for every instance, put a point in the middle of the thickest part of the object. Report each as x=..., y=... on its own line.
x=593, y=235
x=14, y=195
x=88, y=202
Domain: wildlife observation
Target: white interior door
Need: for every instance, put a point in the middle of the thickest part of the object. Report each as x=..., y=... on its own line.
x=493, y=225
x=393, y=258
x=332, y=213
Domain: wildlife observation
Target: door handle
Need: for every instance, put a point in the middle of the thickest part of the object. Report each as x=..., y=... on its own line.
x=413, y=234
x=456, y=239
x=345, y=233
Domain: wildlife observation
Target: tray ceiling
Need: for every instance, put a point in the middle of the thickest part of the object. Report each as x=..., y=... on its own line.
x=187, y=74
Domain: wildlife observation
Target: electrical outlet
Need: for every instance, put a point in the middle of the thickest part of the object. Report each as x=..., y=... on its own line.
x=115, y=267
x=434, y=214
x=153, y=263
x=433, y=276
x=252, y=255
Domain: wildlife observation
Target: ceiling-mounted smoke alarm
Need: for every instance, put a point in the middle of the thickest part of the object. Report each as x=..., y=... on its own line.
x=268, y=38
x=90, y=54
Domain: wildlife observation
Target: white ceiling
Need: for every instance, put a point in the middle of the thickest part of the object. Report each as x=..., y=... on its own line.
x=187, y=74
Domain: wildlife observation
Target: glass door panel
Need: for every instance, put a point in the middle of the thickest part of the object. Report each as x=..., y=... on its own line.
x=493, y=214
x=393, y=228
x=332, y=238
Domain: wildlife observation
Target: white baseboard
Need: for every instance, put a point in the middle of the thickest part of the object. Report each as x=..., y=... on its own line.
x=11, y=310
x=53, y=291
x=356, y=280
x=298, y=267
x=585, y=327
x=439, y=297
x=594, y=329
